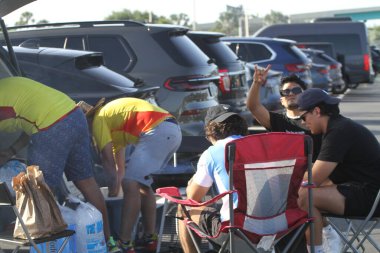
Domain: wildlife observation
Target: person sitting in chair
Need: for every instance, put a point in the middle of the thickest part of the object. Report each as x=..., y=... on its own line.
x=221, y=126
x=347, y=171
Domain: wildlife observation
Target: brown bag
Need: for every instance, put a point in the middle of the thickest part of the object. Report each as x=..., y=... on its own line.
x=37, y=205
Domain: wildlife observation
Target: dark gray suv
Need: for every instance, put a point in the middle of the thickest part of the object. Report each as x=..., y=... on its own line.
x=159, y=55
x=79, y=74
x=232, y=87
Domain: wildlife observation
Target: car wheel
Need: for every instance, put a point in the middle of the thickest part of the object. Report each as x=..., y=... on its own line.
x=340, y=89
x=353, y=85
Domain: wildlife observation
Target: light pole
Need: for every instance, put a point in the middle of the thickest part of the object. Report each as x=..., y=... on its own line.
x=194, y=17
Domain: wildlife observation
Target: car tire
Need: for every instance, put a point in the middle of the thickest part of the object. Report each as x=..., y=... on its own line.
x=340, y=89
x=353, y=85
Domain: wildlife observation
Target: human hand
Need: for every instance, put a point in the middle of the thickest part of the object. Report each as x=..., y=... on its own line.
x=260, y=75
x=113, y=190
x=112, y=183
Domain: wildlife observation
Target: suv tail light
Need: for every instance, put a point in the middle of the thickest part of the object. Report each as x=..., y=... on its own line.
x=189, y=83
x=333, y=66
x=224, y=81
x=366, y=62
x=294, y=67
x=323, y=70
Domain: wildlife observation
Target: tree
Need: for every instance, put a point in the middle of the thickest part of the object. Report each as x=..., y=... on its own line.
x=374, y=35
x=180, y=19
x=26, y=18
x=275, y=17
x=228, y=22
x=144, y=17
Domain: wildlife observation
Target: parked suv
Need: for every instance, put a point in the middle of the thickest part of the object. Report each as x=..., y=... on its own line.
x=232, y=87
x=283, y=55
x=79, y=74
x=335, y=69
x=349, y=38
x=160, y=55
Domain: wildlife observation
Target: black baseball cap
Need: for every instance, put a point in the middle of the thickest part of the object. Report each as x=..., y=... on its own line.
x=314, y=96
x=218, y=113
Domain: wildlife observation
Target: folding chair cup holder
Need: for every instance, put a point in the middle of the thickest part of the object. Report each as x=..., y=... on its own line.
x=265, y=171
x=6, y=237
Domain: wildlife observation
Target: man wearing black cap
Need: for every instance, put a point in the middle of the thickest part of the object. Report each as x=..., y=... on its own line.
x=221, y=127
x=347, y=170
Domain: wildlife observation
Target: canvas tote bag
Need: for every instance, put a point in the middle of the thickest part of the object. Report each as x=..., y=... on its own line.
x=37, y=205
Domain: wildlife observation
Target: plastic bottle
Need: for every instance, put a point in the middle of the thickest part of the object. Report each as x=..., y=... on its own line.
x=89, y=229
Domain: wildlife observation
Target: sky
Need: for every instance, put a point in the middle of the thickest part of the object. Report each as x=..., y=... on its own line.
x=202, y=11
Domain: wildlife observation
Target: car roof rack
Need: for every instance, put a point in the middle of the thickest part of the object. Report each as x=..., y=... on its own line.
x=81, y=24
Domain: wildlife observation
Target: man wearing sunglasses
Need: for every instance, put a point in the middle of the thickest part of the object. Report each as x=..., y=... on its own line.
x=347, y=171
x=289, y=121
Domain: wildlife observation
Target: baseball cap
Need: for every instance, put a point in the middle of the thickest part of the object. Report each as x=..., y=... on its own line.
x=314, y=96
x=218, y=113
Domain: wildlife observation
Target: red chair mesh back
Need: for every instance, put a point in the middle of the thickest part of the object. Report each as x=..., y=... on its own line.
x=267, y=172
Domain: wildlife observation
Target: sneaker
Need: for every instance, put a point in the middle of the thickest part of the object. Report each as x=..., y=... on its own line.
x=112, y=246
x=127, y=247
x=147, y=243
x=331, y=240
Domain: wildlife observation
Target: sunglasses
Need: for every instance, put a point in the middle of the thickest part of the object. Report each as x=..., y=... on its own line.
x=303, y=115
x=294, y=91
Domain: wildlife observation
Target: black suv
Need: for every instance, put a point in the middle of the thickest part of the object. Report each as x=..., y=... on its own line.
x=232, y=87
x=160, y=55
x=79, y=74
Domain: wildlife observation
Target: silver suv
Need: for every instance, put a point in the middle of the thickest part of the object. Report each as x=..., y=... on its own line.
x=159, y=55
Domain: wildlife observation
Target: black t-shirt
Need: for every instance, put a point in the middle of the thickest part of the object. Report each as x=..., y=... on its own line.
x=281, y=123
x=354, y=148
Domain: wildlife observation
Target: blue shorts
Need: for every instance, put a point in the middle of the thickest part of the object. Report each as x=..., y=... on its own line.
x=64, y=147
x=153, y=152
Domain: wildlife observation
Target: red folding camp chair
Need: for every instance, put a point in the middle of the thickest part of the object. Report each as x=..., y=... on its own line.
x=266, y=171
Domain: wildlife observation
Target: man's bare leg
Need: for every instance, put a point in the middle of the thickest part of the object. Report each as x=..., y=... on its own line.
x=148, y=209
x=131, y=208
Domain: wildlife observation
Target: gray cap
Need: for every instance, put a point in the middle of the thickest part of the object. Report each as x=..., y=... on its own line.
x=218, y=113
x=314, y=96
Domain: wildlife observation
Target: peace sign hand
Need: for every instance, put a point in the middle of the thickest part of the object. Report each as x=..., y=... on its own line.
x=260, y=75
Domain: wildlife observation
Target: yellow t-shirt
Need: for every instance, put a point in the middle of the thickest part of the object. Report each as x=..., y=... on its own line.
x=30, y=106
x=121, y=121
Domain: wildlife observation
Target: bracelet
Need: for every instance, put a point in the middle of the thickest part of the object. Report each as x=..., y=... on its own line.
x=14, y=151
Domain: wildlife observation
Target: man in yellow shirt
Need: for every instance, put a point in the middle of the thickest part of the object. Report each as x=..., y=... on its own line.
x=57, y=133
x=155, y=136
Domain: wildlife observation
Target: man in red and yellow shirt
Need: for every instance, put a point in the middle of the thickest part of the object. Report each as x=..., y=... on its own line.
x=155, y=136
x=57, y=133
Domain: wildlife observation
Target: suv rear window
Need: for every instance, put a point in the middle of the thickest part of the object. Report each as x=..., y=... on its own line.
x=344, y=43
x=114, y=51
x=249, y=52
x=181, y=49
x=218, y=50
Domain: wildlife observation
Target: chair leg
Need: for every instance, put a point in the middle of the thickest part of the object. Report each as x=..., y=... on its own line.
x=224, y=245
x=16, y=249
x=247, y=241
x=64, y=243
x=162, y=224
x=344, y=238
x=194, y=240
x=367, y=236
